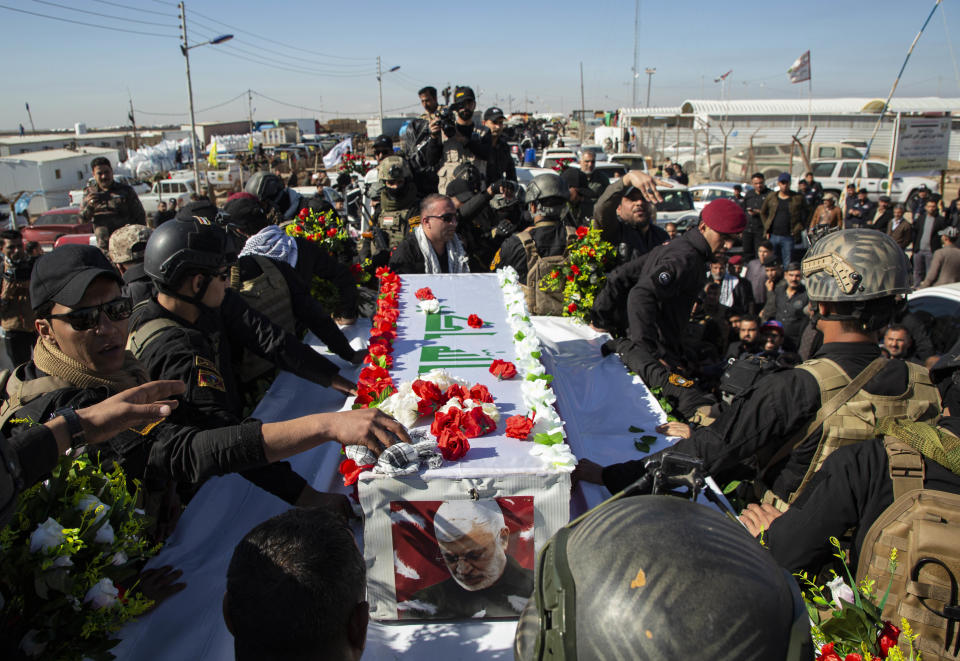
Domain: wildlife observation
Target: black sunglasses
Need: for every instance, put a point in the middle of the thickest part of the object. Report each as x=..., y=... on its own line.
x=84, y=319
x=447, y=217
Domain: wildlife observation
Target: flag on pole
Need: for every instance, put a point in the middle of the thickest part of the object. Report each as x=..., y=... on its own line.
x=335, y=155
x=723, y=77
x=800, y=71
x=212, y=158
x=250, y=143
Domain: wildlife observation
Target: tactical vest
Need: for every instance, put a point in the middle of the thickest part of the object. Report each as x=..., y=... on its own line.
x=17, y=393
x=539, y=301
x=454, y=154
x=269, y=294
x=854, y=421
x=923, y=525
x=398, y=217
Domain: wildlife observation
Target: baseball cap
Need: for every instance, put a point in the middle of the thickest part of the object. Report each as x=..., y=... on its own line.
x=383, y=143
x=63, y=275
x=203, y=208
x=773, y=325
x=492, y=114
x=128, y=243
x=784, y=177
x=462, y=94
x=950, y=232
x=460, y=189
x=922, y=187
x=885, y=198
x=724, y=216
x=794, y=266
x=771, y=261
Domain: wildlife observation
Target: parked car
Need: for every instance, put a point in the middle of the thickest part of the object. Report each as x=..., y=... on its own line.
x=677, y=207
x=705, y=193
x=834, y=174
x=771, y=160
x=179, y=188
x=632, y=161
x=939, y=308
x=76, y=240
x=551, y=156
x=46, y=228
x=612, y=170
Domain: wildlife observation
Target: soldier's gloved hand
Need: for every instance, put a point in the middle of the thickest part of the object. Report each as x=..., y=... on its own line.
x=614, y=346
x=358, y=356
x=504, y=229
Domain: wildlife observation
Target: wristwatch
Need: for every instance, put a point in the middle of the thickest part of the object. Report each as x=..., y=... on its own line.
x=74, y=428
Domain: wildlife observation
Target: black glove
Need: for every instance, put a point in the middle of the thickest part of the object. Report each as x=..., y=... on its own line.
x=504, y=229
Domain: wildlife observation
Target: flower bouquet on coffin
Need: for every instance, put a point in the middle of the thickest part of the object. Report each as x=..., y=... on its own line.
x=75, y=541
x=583, y=275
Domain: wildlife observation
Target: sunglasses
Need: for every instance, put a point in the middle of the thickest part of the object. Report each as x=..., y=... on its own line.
x=84, y=319
x=447, y=217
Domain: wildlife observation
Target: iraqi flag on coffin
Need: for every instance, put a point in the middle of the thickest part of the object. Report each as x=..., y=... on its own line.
x=800, y=71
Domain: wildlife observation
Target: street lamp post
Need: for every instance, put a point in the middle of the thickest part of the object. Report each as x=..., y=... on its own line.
x=185, y=49
x=649, y=71
x=380, y=88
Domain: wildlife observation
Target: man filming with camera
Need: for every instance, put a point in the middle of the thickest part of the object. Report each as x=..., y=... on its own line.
x=464, y=142
x=16, y=315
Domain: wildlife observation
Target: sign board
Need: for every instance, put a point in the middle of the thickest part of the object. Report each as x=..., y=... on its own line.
x=922, y=144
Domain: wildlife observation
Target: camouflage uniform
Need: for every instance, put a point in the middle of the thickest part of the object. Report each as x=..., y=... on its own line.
x=111, y=209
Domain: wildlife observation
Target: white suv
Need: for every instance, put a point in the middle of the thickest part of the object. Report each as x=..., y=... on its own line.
x=835, y=174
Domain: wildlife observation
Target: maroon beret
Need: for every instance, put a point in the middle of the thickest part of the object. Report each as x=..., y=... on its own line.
x=724, y=216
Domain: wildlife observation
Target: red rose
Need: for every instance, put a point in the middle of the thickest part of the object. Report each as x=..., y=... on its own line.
x=351, y=471
x=304, y=214
x=424, y=294
x=428, y=392
x=473, y=321
x=575, y=269
x=382, y=271
x=364, y=398
x=572, y=307
x=441, y=421
x=453, y=444
x=582, y=231
x=480, y=393
x=519, y=426
x=456, y=391
x=356, y=269
x=372, y=374
x=379, y=346
x=888, y=638
x=476, y=423
x=853, y=656
x=503, y=369
x=555, y=274
x=827, y=653
x=371, y=359
x=332, y=232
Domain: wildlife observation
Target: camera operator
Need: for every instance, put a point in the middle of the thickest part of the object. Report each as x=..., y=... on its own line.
x=499, y=163
x=464, y=141
x=16, y=315
x=422, y=143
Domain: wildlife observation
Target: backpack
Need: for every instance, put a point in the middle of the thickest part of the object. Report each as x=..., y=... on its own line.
x=924, y=526
x=541, y=302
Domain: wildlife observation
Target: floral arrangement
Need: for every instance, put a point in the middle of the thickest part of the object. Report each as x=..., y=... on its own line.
x=562, y=164
x=542, y=419
x=584, y=273
x=327, y=229
x=374, y=384
x=361, y=271
x=426, y=301
x=354, y=164
x=69, y=560
x=848, y=626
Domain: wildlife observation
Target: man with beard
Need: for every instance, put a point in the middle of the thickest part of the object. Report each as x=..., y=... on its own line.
x=484, y=581
x=752, y=202
x=464, y=142
x=422, y=143
x=586, y=185
x=626, y=219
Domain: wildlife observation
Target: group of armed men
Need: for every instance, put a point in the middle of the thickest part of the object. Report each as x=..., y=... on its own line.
x=189, y=322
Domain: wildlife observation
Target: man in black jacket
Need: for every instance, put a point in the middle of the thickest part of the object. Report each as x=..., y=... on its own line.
x=422, y=144
x=752, y=202
x=927, y=225
x=499, y=163
x=627, y=220
x=787, y=303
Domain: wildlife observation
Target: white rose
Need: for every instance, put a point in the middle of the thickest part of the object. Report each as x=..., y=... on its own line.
x=63, y=561
x=30, y=645
x=119, y=558
x=90, y=502
x=429, y=306
x=104, y=534
x=102, y=595
x=48, y=535
x=841, y=591
x=492, y=411
x=558, y=456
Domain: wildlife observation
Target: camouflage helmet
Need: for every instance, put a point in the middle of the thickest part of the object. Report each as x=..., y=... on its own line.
x=128, y=244
x=547, y=186
x=393, y=167
x=855, y=265
x=658, y=577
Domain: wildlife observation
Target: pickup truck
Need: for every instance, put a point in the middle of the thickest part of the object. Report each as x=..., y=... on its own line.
x=834, y=175
x=76, y=196
x=166, y=190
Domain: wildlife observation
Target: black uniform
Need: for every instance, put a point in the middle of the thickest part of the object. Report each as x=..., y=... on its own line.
x=789, y=311
x=313, y=260
x=610, y=306
x=137, y=284
x=756, y=425
x=307, y=310
x=631, y=241
x=550, y=238
x=408, y=258
x=850, y=490
x=753, y=234
x=424, y=153
x=499, y=161
x=476, y=221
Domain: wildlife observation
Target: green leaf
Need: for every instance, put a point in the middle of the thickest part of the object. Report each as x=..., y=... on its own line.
x=548, y=439
x=535, y=354
x=634, y=430
x=518, y=336
x=731, y=487
x=648, y=439
x=540, y=377
x=641, y=446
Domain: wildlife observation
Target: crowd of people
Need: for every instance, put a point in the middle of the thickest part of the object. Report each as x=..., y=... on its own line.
x=775, y=327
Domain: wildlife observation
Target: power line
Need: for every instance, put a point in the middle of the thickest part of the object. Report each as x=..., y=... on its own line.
x=258, y=60
x=95, y=13
x=182, y=114
x=89, y=25
x=128, y=7
x=333, y=112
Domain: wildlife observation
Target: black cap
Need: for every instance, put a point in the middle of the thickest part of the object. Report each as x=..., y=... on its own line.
x=463, y=94
x=383, y=143
x=863, y=191
x=922, y=187
x=460, y=189
x=492, y=114
x=203, y=208
x=245, y=213
x=771, y=261
x=885, y=198
x=793, y=266
x=63, y=275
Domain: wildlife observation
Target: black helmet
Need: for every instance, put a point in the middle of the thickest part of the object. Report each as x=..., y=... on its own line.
x=267, y=186
x=182, y=246
x=657, y=577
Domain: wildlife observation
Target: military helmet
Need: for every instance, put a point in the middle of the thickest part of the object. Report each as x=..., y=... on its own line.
x=267, y=186
x=658, y=577
x=855, y=265
x=393, y=167
x=547, y=186
x=181, y=246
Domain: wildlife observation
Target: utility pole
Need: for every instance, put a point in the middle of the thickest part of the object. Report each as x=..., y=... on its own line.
x=250, y=109
x=136, y=141
x=33, y=129
x=380, y=90
x=649, y=71
x=636, y=50
x=194, y=152
x=583, y=106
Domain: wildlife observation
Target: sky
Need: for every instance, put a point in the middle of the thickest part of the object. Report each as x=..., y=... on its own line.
x=301, y=57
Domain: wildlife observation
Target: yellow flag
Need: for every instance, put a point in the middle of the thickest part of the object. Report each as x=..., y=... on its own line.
x=212, y=158
x=250, y=144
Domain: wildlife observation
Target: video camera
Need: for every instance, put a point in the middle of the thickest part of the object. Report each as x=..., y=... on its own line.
x=448, y=119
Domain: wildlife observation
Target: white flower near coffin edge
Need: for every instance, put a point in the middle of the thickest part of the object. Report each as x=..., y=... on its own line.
x=402, y=407
x=558, y=456
x=526, y=347
x=430, y=306
x=507, y=275
x=530, y=365
x=90, y=504
x=537, y=394
x=103, y=594
x=48, y=535
x=443, y=379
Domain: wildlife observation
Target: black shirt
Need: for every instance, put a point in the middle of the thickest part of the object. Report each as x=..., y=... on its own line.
x=550, y=238
x=781, y=220
x=408, y=258
x=632, y=241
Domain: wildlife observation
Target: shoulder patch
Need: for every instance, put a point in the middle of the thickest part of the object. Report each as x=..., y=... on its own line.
x=679, y=381
x=210, y=379
x=200, y=361
x=147, y=429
